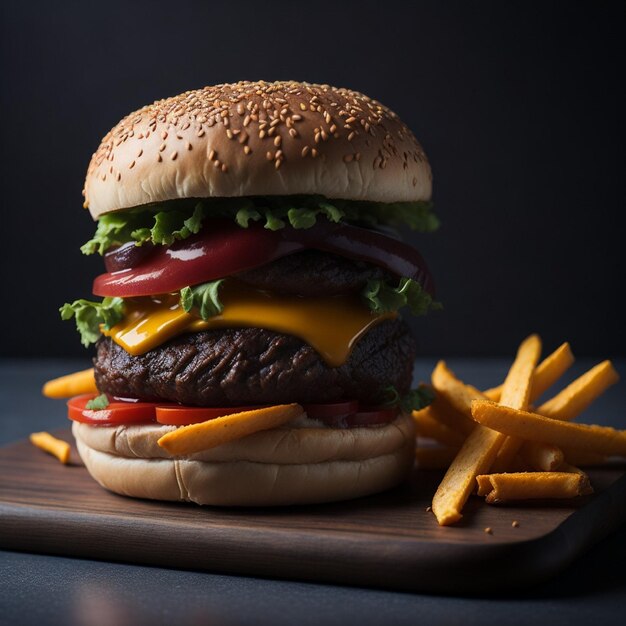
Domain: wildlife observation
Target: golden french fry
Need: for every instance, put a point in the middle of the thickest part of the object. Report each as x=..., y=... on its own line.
x=57, y=447
x=535, y=427
x=532, y=485
x=431, y=457
x=566, y=405
x=480, y=448
x=516, y=394
x=442, y=411
x=542, y=457
x=71, y=385
x=215, y=432
x=427, y=426
x=576, y=397
x=545, y=375
x=458, y=394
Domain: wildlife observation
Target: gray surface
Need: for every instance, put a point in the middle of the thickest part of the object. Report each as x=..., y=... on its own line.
x=55, y=590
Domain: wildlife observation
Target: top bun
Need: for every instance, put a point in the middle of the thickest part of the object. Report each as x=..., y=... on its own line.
x=258, y=138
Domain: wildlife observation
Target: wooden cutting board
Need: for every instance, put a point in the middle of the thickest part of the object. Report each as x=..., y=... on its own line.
x=388, y=540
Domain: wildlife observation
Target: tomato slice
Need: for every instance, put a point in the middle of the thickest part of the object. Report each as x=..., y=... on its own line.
x=183, y=415
x=331, y=409
x=224, y=249
x=117, y=412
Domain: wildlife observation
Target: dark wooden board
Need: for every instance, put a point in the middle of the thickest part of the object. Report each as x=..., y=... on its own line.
x=388, y=540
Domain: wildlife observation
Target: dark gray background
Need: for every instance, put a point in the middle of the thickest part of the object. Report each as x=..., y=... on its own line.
x=519, y=106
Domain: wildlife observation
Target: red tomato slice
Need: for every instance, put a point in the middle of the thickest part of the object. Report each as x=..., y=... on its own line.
x=183, y=415
x=224, y=249
x=331, y=410
x=116, y=413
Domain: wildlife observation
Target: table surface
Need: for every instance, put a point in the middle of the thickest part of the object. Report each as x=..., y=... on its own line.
x=56, y=590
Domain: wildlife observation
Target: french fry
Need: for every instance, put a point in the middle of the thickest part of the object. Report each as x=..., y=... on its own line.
x=532, y=485
x=534, y=427
x=442, y=411
x=545, y=375
x=576, y=397
x=516, y=393
x=480, y=448
x=71, y=385
x=427, y=426
x=215, y=432
x=566, y=405
x=458, y=394
x=57, y=447
x=542, y=456
x=431, y=457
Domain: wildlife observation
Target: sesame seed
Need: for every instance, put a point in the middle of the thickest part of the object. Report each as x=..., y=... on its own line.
x=229, y=134
x=131, y=165
x=187, y=145
x=159, y=159
x=303, y=107
x=261, y=134
x=324, y=135
x=293, y=132
x=350, y=120
x=246, y=120
x=277, y=163
x=269, y=156
x=277, y=141
x=174, y=155
x=313, y=152
x=224, y=167
x=212, y=155
x=297, y=117
x=305, y=150
x=351, y=136
x=247, y=150
x=139, y=153
x=200, y=133
x=333, y=128
x=348, y=157
x=241, y=109
x=274, y=122
x=118, y=177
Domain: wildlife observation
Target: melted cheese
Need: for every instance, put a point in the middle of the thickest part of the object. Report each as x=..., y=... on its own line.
x=331, y=325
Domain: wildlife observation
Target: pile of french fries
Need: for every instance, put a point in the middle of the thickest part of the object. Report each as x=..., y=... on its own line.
x=497, y=444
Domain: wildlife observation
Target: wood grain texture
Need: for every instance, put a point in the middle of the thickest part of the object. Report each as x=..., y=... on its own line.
x=388, y=540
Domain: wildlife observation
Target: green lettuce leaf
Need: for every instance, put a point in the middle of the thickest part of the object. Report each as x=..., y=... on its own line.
x=98, y=403
x=414, y=400
x=204, y=297
x=89, y=315
x=170, y=221
x=381, y=297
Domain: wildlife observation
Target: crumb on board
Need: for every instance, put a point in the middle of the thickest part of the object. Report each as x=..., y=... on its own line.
x=429, y=509
x=489, y=530
x=515, y=523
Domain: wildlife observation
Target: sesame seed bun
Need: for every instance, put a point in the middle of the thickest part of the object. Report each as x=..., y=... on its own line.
x=281, y=466
x=258, y=138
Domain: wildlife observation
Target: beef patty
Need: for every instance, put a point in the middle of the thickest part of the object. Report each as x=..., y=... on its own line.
x=246, y=366
x=313, y=273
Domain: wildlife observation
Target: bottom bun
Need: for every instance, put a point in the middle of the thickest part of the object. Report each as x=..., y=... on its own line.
x=249, y=483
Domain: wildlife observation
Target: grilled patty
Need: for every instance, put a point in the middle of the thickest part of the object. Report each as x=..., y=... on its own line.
x=246, y=366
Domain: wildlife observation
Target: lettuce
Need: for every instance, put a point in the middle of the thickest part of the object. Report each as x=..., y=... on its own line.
x=170, y=221
x=89, y=315
x=98, y=403
x=381, y=297
x=204, y=297
x=414, y=400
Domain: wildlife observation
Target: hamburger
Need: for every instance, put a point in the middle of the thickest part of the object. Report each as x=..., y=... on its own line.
x=249, y=234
